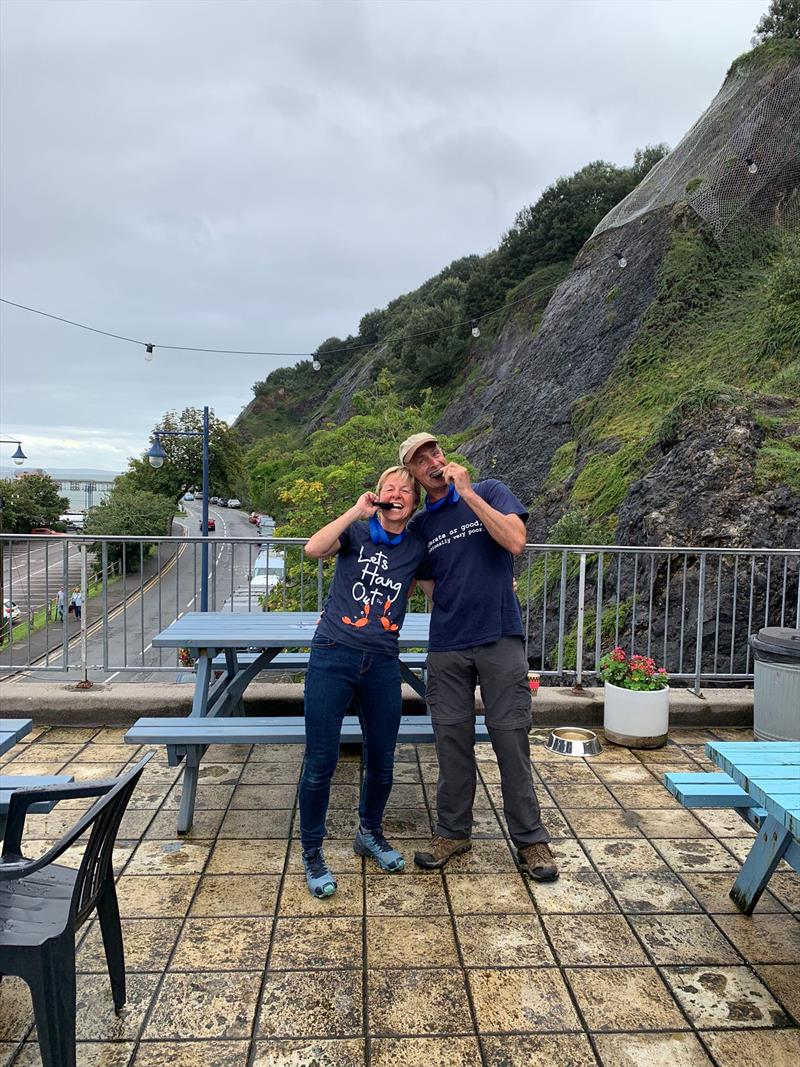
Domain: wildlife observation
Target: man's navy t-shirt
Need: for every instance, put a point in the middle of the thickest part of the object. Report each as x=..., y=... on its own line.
x=366, y=603
x=473, y=598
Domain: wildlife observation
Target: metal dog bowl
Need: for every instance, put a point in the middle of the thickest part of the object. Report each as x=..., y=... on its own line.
x=573, y=741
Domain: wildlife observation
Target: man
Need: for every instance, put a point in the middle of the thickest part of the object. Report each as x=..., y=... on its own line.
x=77, y=603
x=472, y=533
x=60, y=605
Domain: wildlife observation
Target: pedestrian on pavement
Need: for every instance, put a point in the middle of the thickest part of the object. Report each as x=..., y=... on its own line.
x=60, y=605
x=77, y=603
x=355, y=658
x=472, y=532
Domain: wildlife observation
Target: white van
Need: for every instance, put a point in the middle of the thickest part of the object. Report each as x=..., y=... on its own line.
x=267, y=572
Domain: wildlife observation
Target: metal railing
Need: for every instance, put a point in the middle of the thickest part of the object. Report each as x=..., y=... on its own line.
x=692, y=609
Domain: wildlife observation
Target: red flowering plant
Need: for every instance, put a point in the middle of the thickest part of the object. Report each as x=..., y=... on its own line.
x=185, y=657
x=638, y=672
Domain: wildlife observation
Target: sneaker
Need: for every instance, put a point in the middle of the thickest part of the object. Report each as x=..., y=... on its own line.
x=321, y=882
x=538, y=861
x=440, y=850
x=373, y=843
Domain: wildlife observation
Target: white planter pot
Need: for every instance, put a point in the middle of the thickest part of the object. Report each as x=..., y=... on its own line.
x=634, y=719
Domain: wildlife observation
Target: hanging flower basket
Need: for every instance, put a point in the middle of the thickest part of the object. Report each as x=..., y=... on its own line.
x=185, y=658
x=636, y=704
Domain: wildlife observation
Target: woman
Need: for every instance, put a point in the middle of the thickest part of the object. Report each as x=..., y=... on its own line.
x=355, y=658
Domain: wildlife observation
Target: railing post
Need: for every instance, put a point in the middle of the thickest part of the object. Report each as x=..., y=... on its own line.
x=84, y=683
x=698, y=647
x=562, y=607
x=578, y=687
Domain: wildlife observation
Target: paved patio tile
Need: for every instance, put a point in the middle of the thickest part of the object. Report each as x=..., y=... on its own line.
x=502, y=941
x=623, y=774
x=570, y=795
x=624, y=855
x=426, y=1052
x=764, y=938
x=531, y=999
x=783, y=981
x=594, y=940
x=684, y=939
x=655, y=891
x=321, y=1052
x=475, y=894
x=209, y=945
x=724, y=997
x=402, y=894
x=651, y=1050
x=406, y=941
x=583, y=891
x=624, y=998
x=236, y=894
x=778, y=1048
x=148, y=943
x=169, y=857
x=15, y=1008
x=713, y=893
x=328, y=942
x=668, y=822
x=144, y=896
x=696, y=854
x=260, y=857
x=191, y=1054
x=418, y=1002
x=786, y=888
x=87, y=1053
x=539, y=1050
x=194, y=1006
x=318, y=1003
x=602, y=822
x=296, y=900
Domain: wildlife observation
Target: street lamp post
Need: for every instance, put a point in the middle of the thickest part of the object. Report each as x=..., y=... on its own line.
x=156, y=456
x=19, y=458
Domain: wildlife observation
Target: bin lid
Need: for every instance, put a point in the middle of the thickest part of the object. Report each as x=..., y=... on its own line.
x=780, y=640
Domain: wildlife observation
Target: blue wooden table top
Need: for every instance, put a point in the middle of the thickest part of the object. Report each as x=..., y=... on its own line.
x=13, y=730
x=10, y=782
x=769, y=771
x=265, y=629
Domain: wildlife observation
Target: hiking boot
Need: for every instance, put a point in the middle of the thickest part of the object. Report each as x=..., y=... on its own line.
x=321, y=882
x=538, y=861
x=372, y=843
x=440, y=850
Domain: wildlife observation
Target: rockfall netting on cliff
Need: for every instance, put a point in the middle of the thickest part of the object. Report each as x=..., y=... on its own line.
x=745, y=143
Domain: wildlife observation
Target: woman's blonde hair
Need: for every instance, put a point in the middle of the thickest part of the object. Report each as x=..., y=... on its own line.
x=392, y=472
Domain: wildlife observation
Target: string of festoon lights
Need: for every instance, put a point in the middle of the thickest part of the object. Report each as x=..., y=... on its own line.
x=473, y=322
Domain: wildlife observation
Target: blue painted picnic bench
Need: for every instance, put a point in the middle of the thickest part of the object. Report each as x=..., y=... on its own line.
x=238, y=647
x=11, y=731
x=761, y=781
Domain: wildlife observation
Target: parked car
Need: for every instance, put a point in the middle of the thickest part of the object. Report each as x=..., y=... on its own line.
x=48, y=531
x=212, y=523
x=11, y=611
x=267, y=572
x=234, y=502
x=188, y=496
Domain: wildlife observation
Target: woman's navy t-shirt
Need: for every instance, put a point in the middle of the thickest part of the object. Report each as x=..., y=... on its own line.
x=473, y=596
x=366, y=603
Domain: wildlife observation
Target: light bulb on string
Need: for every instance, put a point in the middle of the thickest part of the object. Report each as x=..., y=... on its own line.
x=316, y=365
x=752, y=166
x=621, y=260
x=476, y=330
x=148, y=353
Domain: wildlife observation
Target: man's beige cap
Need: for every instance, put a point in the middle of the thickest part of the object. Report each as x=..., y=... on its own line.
x=412, y=443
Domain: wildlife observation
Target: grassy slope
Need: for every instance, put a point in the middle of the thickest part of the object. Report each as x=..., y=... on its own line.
x=717, y=333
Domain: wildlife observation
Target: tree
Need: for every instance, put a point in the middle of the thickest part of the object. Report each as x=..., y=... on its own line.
x=31, y=500
x=781, y=21
x=183, y=467
x=130, y=513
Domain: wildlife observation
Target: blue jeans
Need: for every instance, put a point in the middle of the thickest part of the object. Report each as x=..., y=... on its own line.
x=338, y=676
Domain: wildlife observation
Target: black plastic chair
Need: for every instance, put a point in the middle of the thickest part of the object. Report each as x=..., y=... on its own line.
x=43, y=903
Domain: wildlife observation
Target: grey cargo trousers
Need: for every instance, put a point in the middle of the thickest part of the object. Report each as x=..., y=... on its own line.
x=501, y=671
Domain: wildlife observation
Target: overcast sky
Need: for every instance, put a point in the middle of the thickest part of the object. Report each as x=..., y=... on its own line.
x=258, y=175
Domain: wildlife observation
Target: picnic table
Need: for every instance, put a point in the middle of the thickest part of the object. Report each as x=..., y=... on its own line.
x=761, y=781
x=238, y=635
x=11, y=731
x=238, y=647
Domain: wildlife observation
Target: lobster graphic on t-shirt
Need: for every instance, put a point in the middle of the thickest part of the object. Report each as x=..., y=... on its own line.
x=372, y=586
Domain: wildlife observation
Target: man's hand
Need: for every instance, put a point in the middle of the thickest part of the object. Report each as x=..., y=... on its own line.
x=455, y=474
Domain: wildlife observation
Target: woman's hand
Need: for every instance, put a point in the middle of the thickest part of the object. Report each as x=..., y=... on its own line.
x=364, y=507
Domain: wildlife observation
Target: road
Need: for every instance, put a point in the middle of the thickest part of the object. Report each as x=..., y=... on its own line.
x=151, y=604
x=34, y=571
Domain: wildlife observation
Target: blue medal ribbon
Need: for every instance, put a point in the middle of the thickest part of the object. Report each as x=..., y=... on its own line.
x=382, y=537
x=451, y=498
